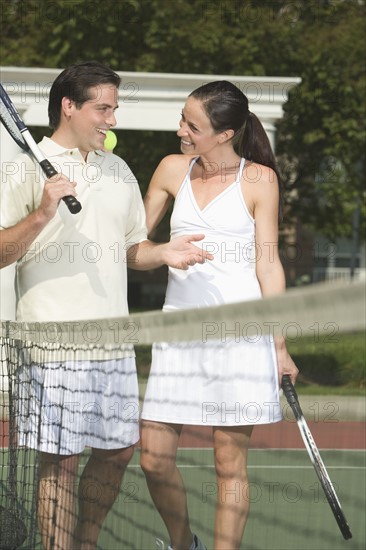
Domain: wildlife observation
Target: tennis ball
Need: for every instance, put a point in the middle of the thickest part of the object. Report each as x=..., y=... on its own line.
x=110, y=141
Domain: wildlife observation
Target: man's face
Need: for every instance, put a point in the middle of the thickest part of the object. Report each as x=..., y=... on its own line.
x=89, y=123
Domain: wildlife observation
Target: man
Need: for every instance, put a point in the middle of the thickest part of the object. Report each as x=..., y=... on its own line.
x=72, y=267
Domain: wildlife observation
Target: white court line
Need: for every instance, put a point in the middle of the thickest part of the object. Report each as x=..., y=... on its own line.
x=284, y=449
x=269, y=467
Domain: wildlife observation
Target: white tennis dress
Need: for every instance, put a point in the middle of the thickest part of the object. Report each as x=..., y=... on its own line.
x=233, y=379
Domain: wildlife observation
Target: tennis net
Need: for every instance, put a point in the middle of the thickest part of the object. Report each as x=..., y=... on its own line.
x=284, y=495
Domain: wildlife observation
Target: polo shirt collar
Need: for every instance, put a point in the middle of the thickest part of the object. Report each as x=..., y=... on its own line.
x=51, y=148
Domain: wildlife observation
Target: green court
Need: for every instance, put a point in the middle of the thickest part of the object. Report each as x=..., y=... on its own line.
x=288, y=507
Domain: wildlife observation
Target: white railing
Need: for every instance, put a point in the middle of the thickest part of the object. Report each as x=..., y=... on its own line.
x=338, y=274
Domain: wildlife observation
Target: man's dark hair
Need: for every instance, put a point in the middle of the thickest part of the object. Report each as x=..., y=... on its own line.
x=75, y=83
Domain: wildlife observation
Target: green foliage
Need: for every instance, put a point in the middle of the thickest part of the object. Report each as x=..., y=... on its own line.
x=143, y=361
x=322, y=135
x=319, y=368
x=333, y=364
x=321, y=140
x=133, y=146
x=337, y=360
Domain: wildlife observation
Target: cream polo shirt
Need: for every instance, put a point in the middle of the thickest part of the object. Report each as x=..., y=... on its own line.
x=76, y=268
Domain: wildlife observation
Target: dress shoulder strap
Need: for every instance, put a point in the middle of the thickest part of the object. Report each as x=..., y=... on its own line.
x=191, y=164
x=241, y=168
x=186, y=177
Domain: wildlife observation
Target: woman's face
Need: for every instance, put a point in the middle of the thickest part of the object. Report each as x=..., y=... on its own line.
x=197, y=136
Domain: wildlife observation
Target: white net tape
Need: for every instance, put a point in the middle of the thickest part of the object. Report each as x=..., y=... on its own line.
x=298, y=312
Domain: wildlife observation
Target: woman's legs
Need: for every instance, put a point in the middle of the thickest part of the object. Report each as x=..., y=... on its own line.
x=56, y=500
x=159, y=443
x=231, y=450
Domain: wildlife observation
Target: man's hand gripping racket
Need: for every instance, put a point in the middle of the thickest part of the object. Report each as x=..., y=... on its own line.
x=315, y=457
x=21, y=135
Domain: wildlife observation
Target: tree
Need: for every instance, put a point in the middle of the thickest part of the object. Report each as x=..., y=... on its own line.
x=321, y=139
x=322, y=136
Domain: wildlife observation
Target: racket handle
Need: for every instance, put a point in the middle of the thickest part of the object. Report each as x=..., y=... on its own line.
x=288, y=387
x=291, y=395
x=71, y=202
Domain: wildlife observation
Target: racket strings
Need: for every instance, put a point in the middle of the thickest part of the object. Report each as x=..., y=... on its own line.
x=8, y=121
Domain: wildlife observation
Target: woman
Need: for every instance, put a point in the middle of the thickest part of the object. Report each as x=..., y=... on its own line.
x=225, y=186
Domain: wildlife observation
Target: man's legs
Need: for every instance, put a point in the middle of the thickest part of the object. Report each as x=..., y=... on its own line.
x=62, y=526
x=99, y=486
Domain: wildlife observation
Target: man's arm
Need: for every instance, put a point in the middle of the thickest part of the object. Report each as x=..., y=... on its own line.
x=180, y=253
x=16, y=240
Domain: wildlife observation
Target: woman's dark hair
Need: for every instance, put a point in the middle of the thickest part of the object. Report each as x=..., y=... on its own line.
x=227, y=108
x=75, y=83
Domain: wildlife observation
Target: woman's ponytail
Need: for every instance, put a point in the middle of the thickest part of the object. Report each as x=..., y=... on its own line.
x=254, y=145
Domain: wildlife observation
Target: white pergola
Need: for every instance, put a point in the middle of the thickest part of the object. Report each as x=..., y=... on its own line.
x=147, y=101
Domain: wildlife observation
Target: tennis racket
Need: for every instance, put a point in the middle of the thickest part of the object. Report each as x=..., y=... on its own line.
x=315, y=457
x=21, y=135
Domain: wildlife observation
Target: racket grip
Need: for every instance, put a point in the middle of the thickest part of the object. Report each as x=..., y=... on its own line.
x=71, y=202
x=291, y=395
x=288, y=387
